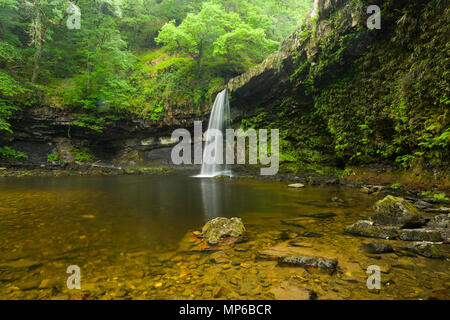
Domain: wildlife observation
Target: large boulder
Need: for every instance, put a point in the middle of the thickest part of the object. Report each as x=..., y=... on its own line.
x=219, y=228
x=367, y=228
x=397, y=212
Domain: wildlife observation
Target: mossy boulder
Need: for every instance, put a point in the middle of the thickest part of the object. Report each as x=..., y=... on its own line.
x=420, y=235
x=397, y=212
x=218, y=228
x=367, y=228
x=425, y=249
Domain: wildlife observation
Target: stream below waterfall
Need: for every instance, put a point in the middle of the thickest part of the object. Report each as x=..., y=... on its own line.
x=130, y=236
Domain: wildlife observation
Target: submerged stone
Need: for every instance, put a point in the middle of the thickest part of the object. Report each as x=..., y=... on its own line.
x=312, y=235
x=377, y=248
x=420, y=235
x=296, y=185
x=367, y=228
x=287, y=235
x=309, y=262
x=293, y=222
x=336, y=199
x=322, y=215
x=427, y=250
x=398, y=212
x=221, y=227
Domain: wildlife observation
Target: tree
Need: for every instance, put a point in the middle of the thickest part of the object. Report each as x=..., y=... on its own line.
x=214, y=31
x=43, y=14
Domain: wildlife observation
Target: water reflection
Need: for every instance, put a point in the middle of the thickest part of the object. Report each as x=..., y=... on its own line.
x=216, y=197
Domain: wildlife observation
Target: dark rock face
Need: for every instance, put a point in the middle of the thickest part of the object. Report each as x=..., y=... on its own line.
x=309, y=262
x=43, y=130
x=398, y=212
x=426, y=250
x=367, y=228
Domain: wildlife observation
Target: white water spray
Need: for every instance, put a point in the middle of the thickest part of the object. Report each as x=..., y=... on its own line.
x=214, y=152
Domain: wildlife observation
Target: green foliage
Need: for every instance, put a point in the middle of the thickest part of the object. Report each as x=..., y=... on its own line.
x=389, y=101
x=396, y=186
x=94, y=72
x=438, y=196
x=82, y=155
x=53, y=157
x=11, y=154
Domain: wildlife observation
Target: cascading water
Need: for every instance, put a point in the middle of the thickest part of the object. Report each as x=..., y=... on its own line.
x=214, y=151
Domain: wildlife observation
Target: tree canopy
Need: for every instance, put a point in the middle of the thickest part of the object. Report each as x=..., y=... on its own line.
x=138, y=56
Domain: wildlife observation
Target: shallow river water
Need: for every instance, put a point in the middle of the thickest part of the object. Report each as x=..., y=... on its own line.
x=131, y=238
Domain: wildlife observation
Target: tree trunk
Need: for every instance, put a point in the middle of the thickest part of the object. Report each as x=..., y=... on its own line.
x=40, y=39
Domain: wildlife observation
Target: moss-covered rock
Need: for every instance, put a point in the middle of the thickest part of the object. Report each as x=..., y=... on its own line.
x=221, y=227
x=425, y=249
x=420, y=235
x=398, y=212
x=367, y=228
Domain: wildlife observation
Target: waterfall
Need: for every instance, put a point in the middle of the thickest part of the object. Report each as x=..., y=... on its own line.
x=214, y=152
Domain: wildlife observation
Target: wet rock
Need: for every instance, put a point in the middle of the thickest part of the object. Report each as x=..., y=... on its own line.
x=21, y=263
x=120, y=293
x=296, y=185
x=322, y=215
x=30, y=285
x=440, y=221
x=312, y=235
x=377, y=248
x=218, y=228
x=398, y=212
x=47, y=284
x=420, y=235
x=336, y=199
x=297, y=243
x=291, y=291
x=287, y=235
x=365, y=190
x=367, y=228
x=420, y=204
x=309, y=262
x=427, y=250
x=293, y=222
